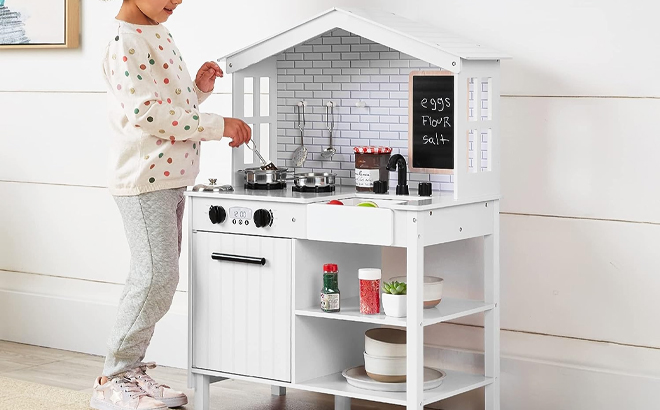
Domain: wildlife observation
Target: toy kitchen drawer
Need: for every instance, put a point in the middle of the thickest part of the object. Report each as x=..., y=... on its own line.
x=353, y=220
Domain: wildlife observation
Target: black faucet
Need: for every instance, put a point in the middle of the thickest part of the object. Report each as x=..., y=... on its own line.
x=397, y=161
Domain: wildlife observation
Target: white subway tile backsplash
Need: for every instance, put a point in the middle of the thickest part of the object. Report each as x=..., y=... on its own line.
x=359, y=47
x=367, y=82
x=350, y=87
x=341, y=64
x=389, y=103
x=331, y=40
x=369, y=71
x=361, y=94
x=332, y=87
x=313, y=86
x=362, y=64
x=350, y=56
x=350, y=40
x=284, y=64
x=390, y=71
x=400, y=63
x=379, y=63
x=399, y=111
x=340, y=48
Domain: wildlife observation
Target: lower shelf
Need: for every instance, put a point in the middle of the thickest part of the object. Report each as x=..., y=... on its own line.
x=455, y=383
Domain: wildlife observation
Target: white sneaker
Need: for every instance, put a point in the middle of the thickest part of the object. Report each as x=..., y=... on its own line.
x=160, y=392
x=121, y=393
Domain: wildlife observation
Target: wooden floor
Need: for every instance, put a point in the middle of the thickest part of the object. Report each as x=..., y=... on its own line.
x=77, y=371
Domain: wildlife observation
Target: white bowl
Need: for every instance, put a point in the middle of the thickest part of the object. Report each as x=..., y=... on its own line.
x=384, y=342
x=385, y=369
x=432, y=289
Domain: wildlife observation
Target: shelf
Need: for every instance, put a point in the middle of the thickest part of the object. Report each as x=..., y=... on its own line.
x=455, y=383
x=448, y=309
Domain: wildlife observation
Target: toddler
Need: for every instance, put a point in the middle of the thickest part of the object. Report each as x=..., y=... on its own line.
x=157, y=130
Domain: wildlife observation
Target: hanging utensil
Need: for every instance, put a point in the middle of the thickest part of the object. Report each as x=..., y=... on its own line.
x=330, y=122
x=300, y=154
x=265, y=164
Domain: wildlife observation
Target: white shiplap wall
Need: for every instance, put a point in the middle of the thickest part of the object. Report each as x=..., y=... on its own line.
x=580, y=217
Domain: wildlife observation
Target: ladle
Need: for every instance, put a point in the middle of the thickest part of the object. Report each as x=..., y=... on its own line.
x=330, y=121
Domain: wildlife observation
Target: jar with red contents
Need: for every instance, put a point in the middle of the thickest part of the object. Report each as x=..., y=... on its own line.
x=369, y=290
x=371, y=166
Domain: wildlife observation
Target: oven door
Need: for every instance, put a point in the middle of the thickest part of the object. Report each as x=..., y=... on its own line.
x=241, y=305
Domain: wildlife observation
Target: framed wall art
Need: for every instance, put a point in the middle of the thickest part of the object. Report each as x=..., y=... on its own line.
x=39, y=24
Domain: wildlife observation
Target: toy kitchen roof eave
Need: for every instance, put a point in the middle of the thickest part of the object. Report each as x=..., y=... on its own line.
x=416, y=39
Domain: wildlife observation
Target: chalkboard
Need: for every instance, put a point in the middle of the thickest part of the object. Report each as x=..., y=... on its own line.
x=431, y=122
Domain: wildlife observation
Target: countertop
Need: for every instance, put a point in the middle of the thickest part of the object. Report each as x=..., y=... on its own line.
x=411, y=202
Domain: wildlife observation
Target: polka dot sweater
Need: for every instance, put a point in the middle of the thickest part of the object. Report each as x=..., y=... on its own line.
x=157, y=128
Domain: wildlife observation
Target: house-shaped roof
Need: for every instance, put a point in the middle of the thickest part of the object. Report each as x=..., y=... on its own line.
x=414, y=38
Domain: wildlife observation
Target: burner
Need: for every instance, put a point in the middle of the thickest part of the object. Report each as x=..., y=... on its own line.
x=317, y=189
x=268, y=186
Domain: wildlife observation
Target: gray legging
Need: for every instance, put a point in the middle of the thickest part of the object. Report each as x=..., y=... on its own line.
x=152, y=222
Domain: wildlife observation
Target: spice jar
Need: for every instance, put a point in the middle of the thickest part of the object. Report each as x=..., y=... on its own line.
x=371, y=166
x=369, y=290
x=330, y=291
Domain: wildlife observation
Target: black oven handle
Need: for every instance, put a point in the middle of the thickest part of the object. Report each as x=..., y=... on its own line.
x=238, y=258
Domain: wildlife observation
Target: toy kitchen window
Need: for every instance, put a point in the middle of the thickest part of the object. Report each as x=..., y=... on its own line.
x=255, y=102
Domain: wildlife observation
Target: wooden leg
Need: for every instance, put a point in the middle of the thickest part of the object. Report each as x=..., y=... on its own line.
x=277, y=391
x=202, y=382
x=342, y=403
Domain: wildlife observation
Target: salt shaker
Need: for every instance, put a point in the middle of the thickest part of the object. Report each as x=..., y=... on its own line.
x=369, y=290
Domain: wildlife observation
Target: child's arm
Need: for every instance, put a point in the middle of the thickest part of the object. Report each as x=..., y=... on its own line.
x=205, y=80
x=148, y=100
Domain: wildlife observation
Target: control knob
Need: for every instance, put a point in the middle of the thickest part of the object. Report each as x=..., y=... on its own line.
x=263, y=218
x=217, y=214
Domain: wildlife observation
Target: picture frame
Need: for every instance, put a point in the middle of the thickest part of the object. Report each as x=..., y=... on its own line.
x=35, y=24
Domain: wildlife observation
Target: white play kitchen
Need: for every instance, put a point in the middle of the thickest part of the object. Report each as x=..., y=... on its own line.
x=371, y=132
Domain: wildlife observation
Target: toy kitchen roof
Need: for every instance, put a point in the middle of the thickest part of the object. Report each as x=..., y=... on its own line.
x=420, y=40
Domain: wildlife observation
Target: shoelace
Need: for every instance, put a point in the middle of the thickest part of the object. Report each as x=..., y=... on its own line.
x=141, y=373
x=131, y=387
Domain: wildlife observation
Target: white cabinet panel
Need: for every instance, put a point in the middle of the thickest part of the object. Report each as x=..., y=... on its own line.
x=593, y=158
x=241, y=311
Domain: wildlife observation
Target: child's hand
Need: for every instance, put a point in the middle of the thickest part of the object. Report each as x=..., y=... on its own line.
x=238, y=131
x=206, y=76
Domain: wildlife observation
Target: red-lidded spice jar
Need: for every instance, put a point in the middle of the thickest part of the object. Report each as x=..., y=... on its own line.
x=369, y=290
x=371, y=166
